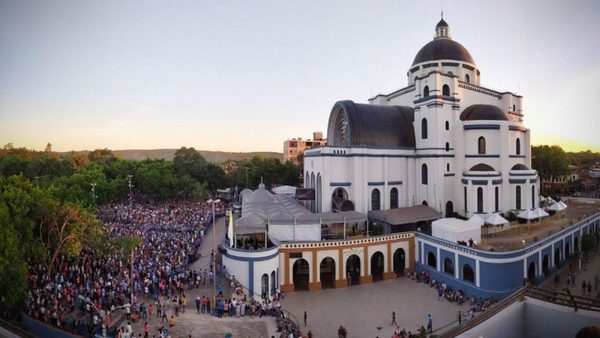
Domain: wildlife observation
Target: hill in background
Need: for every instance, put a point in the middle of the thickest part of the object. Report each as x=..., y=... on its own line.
x=213, y=156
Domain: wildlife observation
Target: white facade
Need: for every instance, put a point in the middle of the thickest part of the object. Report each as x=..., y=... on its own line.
x=462, y=176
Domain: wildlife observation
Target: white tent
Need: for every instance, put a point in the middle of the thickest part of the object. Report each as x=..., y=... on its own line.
x=496, y=219
x=528, y=214
x=557, y=206
x=476, y=219
x=285, y=190
x=454, y=230
x=539, y=212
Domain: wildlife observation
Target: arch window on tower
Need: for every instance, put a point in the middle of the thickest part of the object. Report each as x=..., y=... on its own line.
x=518, y=146
x=424, y=128
x=447, y=146
x=446, y=90
x=481, y=145
x=467, y=78
x=480, y=200
x=447, y=125
x=426, y=91
x=424, y=174
x=448, y=167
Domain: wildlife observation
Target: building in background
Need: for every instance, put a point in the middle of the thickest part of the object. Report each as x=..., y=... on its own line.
x=296, y=146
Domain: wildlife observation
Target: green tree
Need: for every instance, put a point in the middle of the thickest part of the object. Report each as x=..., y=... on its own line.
x=549, y=161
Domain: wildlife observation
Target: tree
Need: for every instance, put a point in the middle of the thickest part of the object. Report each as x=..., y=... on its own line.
x=549, y=161
x=102, y=155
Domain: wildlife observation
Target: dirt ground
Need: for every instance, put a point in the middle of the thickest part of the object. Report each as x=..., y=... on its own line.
x=510, y=236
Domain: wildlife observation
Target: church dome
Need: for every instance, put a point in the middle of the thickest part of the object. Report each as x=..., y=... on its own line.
x=443, y=47
x=478, y=112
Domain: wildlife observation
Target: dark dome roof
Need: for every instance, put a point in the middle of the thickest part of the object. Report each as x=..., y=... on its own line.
x=355, y=124
x=443, y=49
x=483, y=112
x=482, y=167
x=442, y=23
x=519, y=166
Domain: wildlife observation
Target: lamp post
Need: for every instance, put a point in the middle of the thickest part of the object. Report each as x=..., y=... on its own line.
x=93, y=192
x=214, y=256
x=129, y=177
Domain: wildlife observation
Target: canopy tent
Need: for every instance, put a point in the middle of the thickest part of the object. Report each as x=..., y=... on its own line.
x=454, y=230
x=476, y=219
x=408, y=215
x=528, y=214
x=285, y=190
x=562, y=204
x=540, y=213
x=496, y=219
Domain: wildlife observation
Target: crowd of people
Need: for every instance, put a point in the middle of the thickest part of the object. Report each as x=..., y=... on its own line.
x=82, y=292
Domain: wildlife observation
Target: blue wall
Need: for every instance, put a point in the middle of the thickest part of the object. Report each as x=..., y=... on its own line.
x=446, y=254
x=501, y=276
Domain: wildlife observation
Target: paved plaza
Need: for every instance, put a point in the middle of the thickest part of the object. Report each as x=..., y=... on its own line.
x=366, y=310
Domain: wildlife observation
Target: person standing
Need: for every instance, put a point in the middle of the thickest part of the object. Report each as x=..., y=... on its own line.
x=429, y=324
x=198, y=304
x=304, y=318
x=394, y=318
x=459, y=317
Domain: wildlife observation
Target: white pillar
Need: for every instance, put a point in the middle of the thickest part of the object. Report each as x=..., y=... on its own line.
x=456, y=271
x=477, y=282
x=438, y=258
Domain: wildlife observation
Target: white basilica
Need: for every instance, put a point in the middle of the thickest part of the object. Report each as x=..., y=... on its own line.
x=443, y=141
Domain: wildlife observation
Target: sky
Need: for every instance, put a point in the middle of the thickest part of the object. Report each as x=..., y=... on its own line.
x=246, y=75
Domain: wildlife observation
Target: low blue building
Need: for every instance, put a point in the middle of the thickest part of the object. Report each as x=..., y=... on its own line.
x=498, y=274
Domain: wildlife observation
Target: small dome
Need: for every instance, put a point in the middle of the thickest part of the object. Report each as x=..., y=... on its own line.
x=442, y=23
x=482, y=167
x=519, y=166
x=478, y=112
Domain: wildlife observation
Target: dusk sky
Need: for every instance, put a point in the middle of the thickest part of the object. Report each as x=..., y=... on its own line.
x=246, y=75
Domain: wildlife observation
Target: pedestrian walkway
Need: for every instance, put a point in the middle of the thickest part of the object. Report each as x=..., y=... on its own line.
x=590, y=270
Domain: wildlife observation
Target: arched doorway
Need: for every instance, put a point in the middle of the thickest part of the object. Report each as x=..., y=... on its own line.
x=327, y=273
x=449, y=209
x=353, y=270
x=545, y=266
x=556, y=258
x=531, y=273
x=425, y=203
x=431, y=261
x=264, y=285
x=301, y=273
x=468, y=273
x=377, y=266
x=399, y=262
x=567, y=250
x=273, y=282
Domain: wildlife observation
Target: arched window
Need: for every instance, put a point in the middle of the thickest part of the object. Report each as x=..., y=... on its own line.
x=447, y=146
x=465, y=191
x=518, y=198
x=496, y=196
x=467, y=78
x=480, y=200
x=424, y=174
x=375, y=200
x=481, y=145
x=518, y=146
x=446, y=90
x=415, y=79
x=448, y=167
x=532, y=196
x=426, y=91
x=424, y=128
x=468, y=273
x=447, y=125
x=514, y=107
x=448, y=266
x=431, y=261
x=450, y=73
x=394, y=198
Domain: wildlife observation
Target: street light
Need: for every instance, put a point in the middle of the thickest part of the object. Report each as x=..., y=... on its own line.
x=214, y=256
x=93, y=192
x=129, y=177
